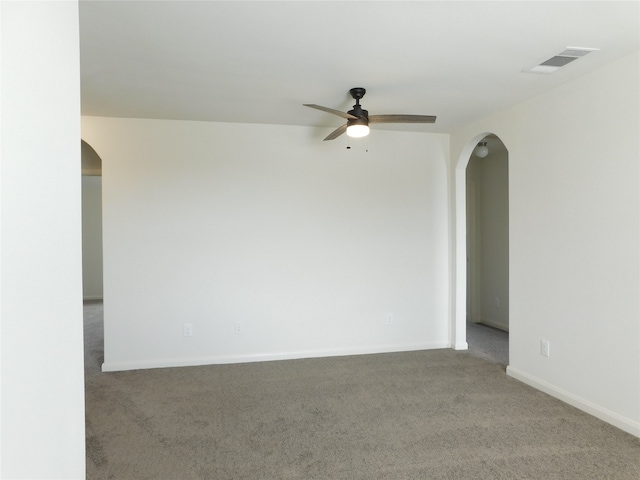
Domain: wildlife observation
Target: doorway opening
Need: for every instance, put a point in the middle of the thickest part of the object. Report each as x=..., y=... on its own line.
x=92, y=261
x=91, y=223
x=483, y=243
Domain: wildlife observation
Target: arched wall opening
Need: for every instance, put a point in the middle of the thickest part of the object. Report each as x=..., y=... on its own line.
x=92, y=283
x=487, y=197
x=481, y=270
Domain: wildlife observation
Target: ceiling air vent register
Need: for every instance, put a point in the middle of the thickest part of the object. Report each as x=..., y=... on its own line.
x=561, y=59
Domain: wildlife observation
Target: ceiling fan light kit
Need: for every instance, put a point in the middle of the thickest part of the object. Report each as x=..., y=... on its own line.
x=358, y=128
x=358, y=118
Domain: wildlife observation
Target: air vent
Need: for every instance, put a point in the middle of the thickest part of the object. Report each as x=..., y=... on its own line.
x=560, y=60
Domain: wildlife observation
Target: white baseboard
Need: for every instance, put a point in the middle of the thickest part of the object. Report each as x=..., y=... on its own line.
x=461, y=346
x=267, y=357
x=495, y=325
x=591, y=408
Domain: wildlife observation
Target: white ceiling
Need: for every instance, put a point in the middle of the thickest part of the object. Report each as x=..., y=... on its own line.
x=259, y=61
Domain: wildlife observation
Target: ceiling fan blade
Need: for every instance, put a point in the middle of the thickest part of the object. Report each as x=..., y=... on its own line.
x=331, y=110
x=336, y=133
x=399, y=118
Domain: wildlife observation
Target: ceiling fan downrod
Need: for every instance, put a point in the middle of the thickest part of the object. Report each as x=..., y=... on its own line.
x=357, y=93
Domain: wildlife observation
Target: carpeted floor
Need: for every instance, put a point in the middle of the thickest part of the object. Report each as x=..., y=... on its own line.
x=435, y=414
x=488, y=343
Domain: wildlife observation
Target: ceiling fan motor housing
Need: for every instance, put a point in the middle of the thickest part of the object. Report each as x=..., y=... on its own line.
x=358, y=121
x=359, y=112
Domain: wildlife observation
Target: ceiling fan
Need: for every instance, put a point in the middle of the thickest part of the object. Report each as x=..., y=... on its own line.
x=358, y=119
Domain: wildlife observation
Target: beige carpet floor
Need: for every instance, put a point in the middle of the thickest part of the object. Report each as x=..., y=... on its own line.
x=488, y=343
x=436, y=414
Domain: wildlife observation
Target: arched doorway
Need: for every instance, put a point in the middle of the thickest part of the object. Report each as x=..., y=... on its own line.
x=91, y=223
x=488, y=235
x=482, y=251
x=92, y=262
x=487, y=202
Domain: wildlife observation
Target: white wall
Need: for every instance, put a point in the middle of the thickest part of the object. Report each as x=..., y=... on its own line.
x=306, y=244
x=574, y=223
x=42, y=409
x=91, y=237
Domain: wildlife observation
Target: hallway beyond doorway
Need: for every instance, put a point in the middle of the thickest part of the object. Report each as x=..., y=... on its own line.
x=488, y=343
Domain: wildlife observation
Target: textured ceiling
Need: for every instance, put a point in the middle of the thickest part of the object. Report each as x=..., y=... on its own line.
x=258, y=62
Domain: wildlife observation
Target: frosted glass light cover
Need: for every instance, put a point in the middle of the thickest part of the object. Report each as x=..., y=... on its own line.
x=482, y=151
x=357, y=131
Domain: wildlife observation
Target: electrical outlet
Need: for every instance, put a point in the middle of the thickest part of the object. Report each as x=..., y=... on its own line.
x=188, y=330
x=238, y=328
x=544, y=348
x=389, y=318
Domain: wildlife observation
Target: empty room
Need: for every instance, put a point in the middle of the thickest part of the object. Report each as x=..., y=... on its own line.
x=297, y=215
